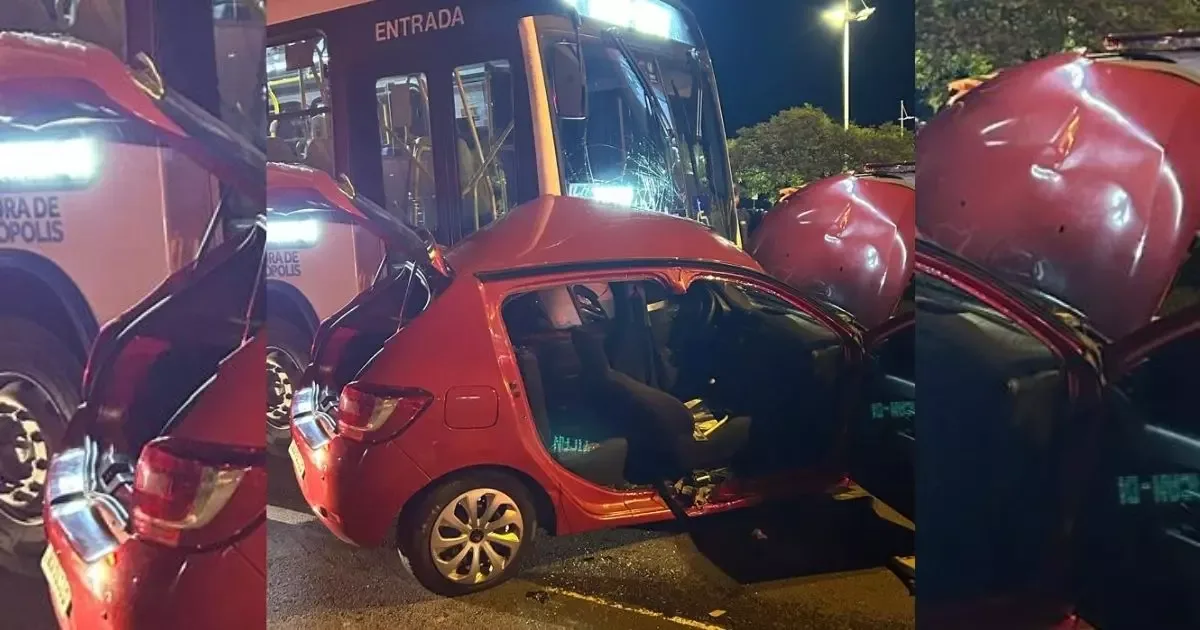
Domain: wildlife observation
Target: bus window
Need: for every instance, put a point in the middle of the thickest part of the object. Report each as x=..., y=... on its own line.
x=300, y=129
x=486, y=154
x=100, y=22
x=407, y=149
x=238, y=37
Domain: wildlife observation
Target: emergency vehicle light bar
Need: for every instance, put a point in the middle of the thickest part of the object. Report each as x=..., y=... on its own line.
x=70, y=161
x=293, y=232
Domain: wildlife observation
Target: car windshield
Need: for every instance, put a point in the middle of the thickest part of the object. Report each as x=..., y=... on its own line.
x=651, y=139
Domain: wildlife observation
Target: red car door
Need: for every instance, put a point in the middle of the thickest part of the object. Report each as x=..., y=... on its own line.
x=882, y=445
x=877, y=397
x=1138, y=542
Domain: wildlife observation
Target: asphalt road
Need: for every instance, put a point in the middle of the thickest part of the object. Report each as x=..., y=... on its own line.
x=816, y=565
x=24, y=602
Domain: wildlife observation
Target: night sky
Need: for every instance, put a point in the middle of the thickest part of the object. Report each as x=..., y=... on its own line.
x=769, y=55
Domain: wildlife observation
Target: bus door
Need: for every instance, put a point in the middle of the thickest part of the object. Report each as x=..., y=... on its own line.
x=450, y=120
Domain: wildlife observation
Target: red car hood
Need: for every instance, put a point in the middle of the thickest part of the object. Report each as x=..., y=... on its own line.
x=1074, y=173
x=848, y=237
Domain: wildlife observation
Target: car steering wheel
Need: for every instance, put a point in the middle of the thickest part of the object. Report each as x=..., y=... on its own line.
x=590, y=308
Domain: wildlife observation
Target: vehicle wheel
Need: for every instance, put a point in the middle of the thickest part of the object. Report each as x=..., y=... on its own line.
x=287, y=356
x=468, y=534
x=40, y=382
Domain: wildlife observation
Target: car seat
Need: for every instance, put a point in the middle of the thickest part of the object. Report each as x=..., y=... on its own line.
x=602, y=463
x=659, y=422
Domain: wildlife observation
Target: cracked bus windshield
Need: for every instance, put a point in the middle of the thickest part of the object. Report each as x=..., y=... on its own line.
x=649, y=138
x=460, y=144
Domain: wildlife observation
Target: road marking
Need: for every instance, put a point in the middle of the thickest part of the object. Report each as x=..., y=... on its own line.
x=288, y=517
x=683, y=621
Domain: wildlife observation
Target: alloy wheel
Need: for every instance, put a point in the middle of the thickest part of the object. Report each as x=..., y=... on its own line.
x=476, y=536
x=24, y=452
x=280, y=389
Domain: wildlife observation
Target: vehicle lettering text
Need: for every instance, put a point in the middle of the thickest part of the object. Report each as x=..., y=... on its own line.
x=418, y=23
x=284, y=264
x=30, y=220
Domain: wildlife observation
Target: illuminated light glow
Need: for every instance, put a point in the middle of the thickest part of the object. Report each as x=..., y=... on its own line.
x=651, y=17
x=835, y=17
x=612, y=11
x=838, y=16
x=604, y=193
x=292, y=232
x=26, y=161
x=99, y=574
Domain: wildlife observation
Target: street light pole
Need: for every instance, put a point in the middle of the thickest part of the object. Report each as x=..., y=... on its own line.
x=846, y=66
x=842, y=15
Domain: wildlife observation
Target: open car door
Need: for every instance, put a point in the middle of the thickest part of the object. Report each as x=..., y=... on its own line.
x=882, y=437
x=883, y=434
x=412, y=273
x=1139, y=539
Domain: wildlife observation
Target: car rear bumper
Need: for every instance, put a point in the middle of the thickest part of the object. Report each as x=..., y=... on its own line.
x=144, y=585
x=357, y=490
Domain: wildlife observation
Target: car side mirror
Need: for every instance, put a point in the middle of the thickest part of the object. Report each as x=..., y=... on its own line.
x=568, y=82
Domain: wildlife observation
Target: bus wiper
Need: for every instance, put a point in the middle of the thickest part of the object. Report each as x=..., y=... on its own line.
x=655, y=107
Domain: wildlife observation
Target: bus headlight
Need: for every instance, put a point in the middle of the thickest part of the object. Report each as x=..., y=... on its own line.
x=293, y=232
x=604, y=193
x=68, y=161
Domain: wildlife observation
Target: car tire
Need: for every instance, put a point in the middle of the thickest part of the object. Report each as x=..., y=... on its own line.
x=38, y=355
x=420, y=523
x=288, y=355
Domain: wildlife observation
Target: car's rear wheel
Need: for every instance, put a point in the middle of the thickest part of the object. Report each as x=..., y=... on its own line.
x=39, y=390
x=287, y=356
x=468, y=534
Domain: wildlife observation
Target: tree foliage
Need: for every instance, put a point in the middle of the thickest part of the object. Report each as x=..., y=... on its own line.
x=803, y=144
x=959, y=38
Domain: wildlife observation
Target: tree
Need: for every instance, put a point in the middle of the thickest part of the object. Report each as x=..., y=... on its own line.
x=885, y=143
x=803, y=144
x=959, y=38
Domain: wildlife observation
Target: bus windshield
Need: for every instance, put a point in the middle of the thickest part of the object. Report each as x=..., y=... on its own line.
x=650, y=139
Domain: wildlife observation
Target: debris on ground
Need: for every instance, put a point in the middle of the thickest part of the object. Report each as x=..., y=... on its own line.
x=758, y=534
x=540, y=597
x=716, y=613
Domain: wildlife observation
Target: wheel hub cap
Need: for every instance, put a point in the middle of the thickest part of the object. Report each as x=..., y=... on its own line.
x=279, y=388
x=24, y=453
x=476, y=536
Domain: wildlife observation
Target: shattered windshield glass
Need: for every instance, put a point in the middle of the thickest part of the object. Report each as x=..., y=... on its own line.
x=649, y=141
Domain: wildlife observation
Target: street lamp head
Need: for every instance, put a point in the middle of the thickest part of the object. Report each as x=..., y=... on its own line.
x=861, y=16
x=836, y=16
x=839, y=15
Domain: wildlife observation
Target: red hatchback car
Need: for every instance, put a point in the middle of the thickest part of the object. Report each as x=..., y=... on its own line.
x=1060, y=471
x=156, y=502
x=575, y=367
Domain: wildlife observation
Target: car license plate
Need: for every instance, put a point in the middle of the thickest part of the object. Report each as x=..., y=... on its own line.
x=60, y=588
x=297, y=460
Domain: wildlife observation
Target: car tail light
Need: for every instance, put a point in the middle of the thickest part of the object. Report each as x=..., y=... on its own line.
x=180, y=486
x=364, y=408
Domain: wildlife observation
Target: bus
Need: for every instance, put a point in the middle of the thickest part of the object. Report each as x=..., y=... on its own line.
x=94, y=215
x=448, y=114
